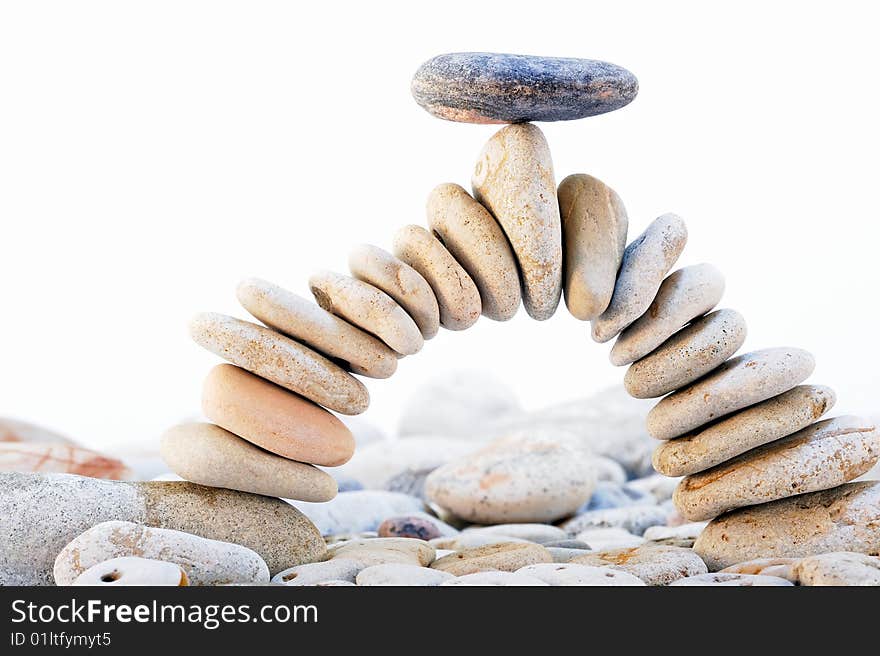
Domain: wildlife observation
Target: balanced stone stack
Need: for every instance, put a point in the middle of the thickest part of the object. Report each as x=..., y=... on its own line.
x=740, y=429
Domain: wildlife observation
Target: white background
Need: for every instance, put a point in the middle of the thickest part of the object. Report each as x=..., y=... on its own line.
x=152, y=154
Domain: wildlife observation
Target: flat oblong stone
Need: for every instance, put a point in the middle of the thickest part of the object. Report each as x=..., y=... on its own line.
x=209, y=455
x=756, y=425
x=653, y=564
x=478, y=244
x=274, y=419
x=844, y=518
x=594, y=227
x=486, y=87
x=689, y=354
x=281, y=360
x=687, y=293
x=457, y=294
x=312, y=325
x=130, y=570
x=401, y=282
x=369, y=308
x=743, y=381
x=503, y=556
x=645, y=261
x=513, y=179
x=819, y=457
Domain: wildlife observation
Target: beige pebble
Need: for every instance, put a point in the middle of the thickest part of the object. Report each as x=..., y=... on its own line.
x=844, y=518
x=685, y=294
x=749, y=428
x=495, y=578
x=401, y=282
x=645, y=262
x=60, y=458
x=780, y=567
x=841, y=568
x=513, y=179
x=819, y=457
x=209, y=455
x=369, y=308
x=653, y=564
x=565, y=574
x=281, y=360
x=732, y=580
x=745, y=380
x=378, y=551
x=337, y=569
x=505, y=556
x=457, y=294
x=594, y=225
x=130, y=570
x=402, y=574
x=478, y=244
x=312, y=325
x=689, y=354
x=683, y=535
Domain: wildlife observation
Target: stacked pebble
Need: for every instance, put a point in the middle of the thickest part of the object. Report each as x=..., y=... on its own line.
x=740, y=429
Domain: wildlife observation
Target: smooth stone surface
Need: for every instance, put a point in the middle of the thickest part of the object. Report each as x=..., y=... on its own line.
x=401, y=282
x=409, y=527
x=310, y=324
x=457, y=295
x=539, y=533
x=206, y=562
x=743, y=381
x=841, y=568
x=567, y=554
x=379, y=551
x=478, y=244
x=732, y=580
x=689, y=354
x=274, y=419
x=633, y=519
x=845, y=518
x=614, y=495
x=209, y=455
x=753, y=427
x=655, y=565
x=338, y=569
x=645, y=262
x=685, y=294
x=41, y=513
x=60, y=458
x=355, y=512
x=404, y=575
x=594, y=227
x=472, y=540
x=683, y=535
x=369, y=308
x=130, y=570
x=575, y=574
x=495, y=578
x=506, y=557
x=513, y=179
x=779, y=567
x=606, y=538
x=517, y=479
x=280, y=360
x=486, y=87
x=15, y=430
x=819, y=457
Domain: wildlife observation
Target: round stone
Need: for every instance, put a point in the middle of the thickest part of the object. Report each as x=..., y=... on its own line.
x=402, y=575
x=756, y=425
x=732, y=580
x=60, y=458
x=274, y=419
x=478, y=244
x=209, y=455
x=645, y=261
x=312, y=325
x=378, y=551
x=457, y=294
x=574, y=574
x=844, y=518
x=420, y=528
x=401, y=282
x=206, y=562
x=513, y=179
x=836, y=569
x=688, y=355
x=687, y=293
x=129, y=570
x=743, y=381
x=653, y=564
x=281, y=360
x=369, y=308
x=485, y=87
x=819, y=457
x=338, y=569
x=594, y=226
x=504, y=556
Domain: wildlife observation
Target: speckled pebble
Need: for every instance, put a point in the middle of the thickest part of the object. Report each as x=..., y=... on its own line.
x=655, y=565
x=840, y=568
x=779, y=567
x=378, y=551
x=683, y=535
x=565, y=574
x=507, y=557
x=606, y=538
x=337, y=569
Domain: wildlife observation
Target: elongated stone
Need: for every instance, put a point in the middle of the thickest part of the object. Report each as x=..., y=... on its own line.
x=687, y=293
x=281, y=360
x=645, y=261
x=757, y=425
x=594, y=226
x=819, y=457
x=745, y=380
x=514, y=180
x=689, y=354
